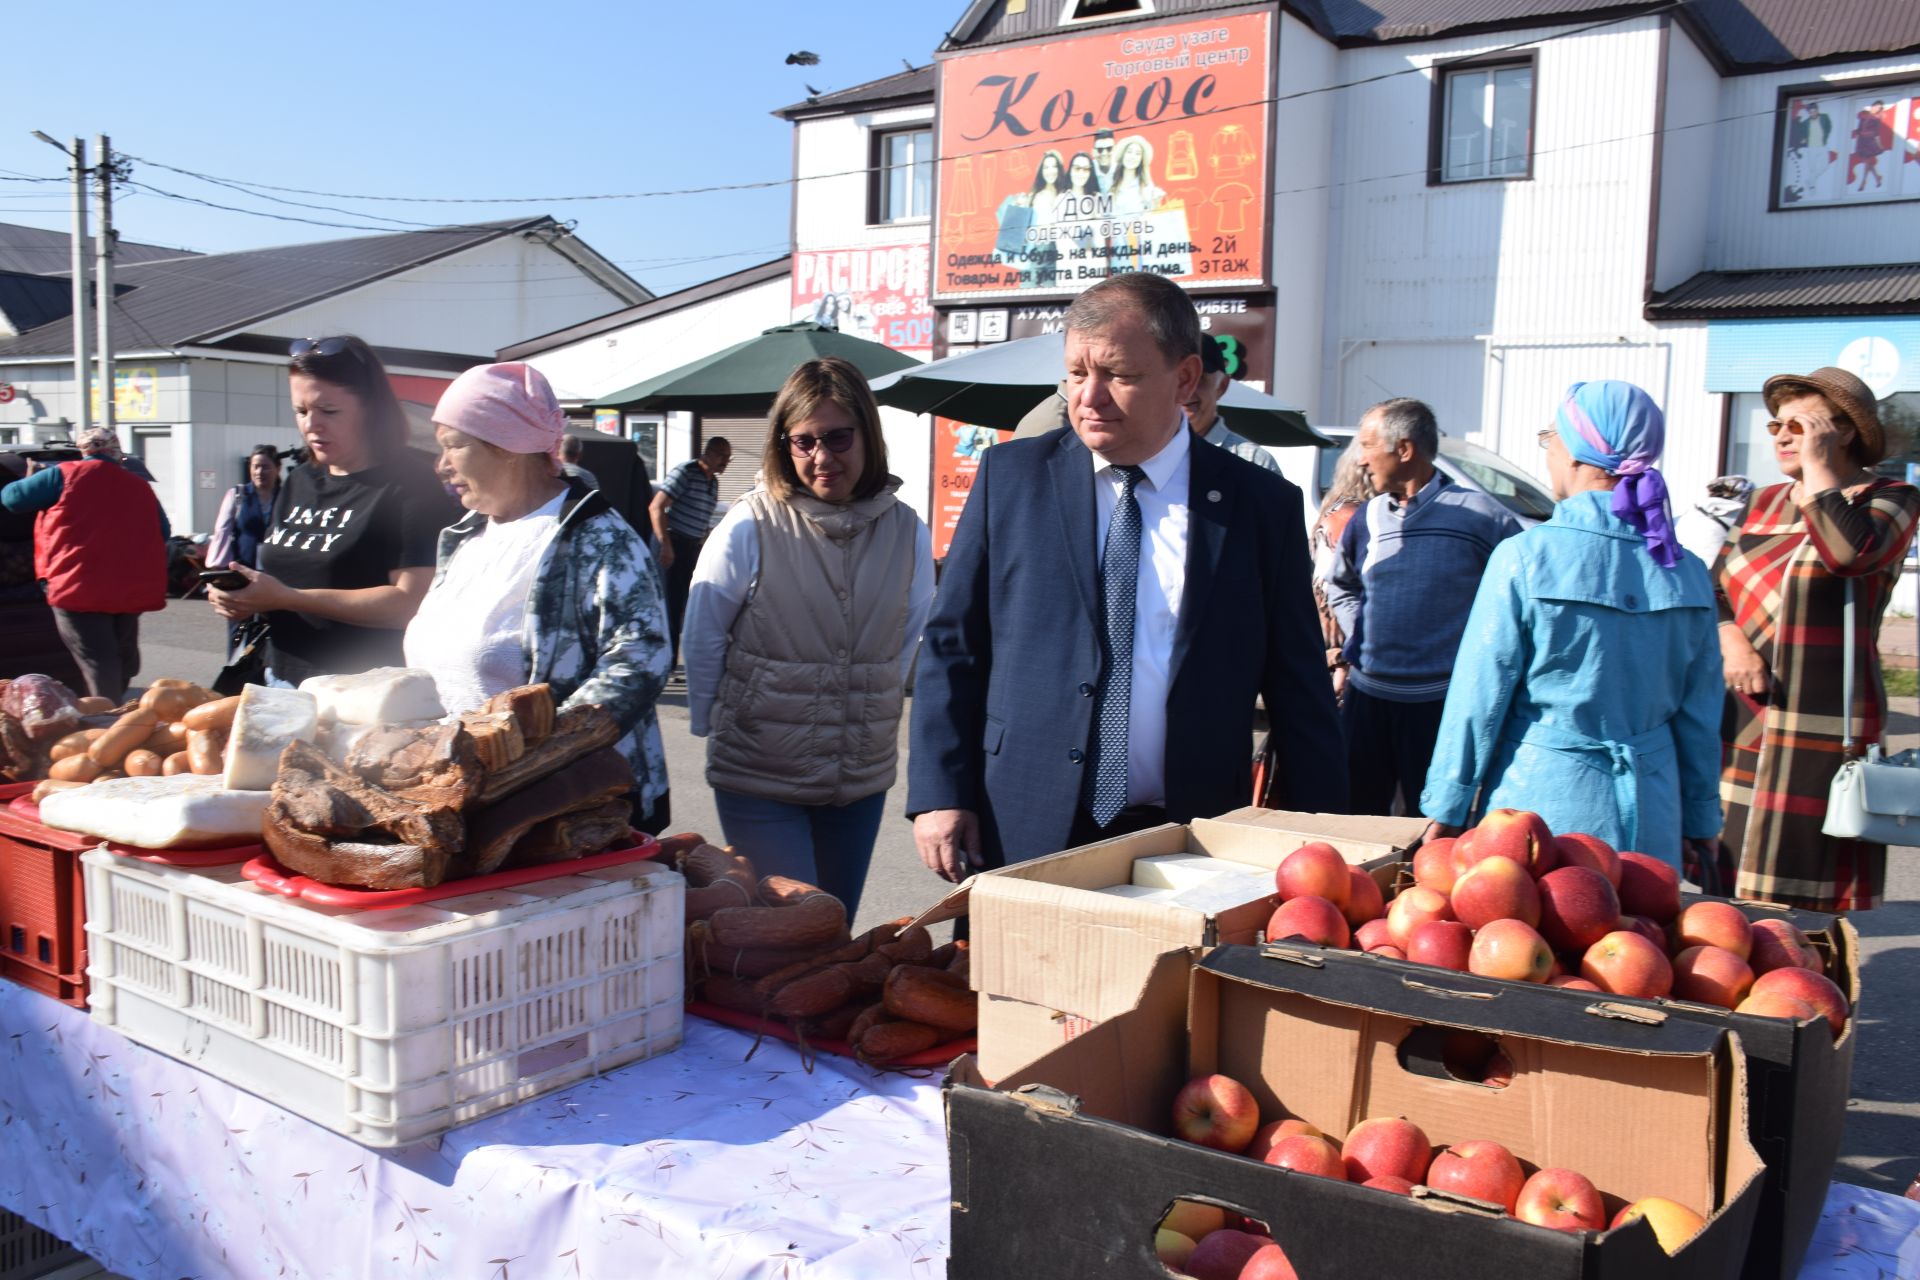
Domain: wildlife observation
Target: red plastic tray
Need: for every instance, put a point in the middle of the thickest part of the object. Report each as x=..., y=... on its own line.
x=8, y=790
x=266, y=872
x=43, y=937
x=938, y=1056
x=24, y=808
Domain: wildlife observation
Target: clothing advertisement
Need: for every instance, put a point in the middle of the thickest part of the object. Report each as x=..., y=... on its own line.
x=877, y=292
x=956, y=460
x=1143, y=149
x=1850, y=148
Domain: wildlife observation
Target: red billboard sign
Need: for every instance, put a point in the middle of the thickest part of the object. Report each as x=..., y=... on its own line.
x=877, y=292
x=1141, y=149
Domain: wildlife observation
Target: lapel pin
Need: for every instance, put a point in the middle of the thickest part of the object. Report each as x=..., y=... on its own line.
x=1213, y=495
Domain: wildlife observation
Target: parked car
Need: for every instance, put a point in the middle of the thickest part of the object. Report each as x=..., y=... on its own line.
x=1464, y=463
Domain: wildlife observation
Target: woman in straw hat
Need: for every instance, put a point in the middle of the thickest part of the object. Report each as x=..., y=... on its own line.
x=1782, y=582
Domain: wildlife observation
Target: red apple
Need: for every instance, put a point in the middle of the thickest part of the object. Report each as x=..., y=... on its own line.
x=1444, y=944
x=1390, y=951
x=1563, y=1200
x=1313, y=918
x=1268, y=1136
x=1373, y=935
x=1314, y=870
x=1510, y=949
x=1462, y=851
x=1711, y=975
x=1778, y=1004
x=1626, y=964
x=1481, y=1169
x=1571, y=983
x=1816, y=989
x=1365, y=902
x=1387, y=1182
x=1715, y=924
x=1216, y=1111
x=1645, y=928
x=1223, y=1254
x=1413, y=908
x=1498, y=1073
x=1579, y=850
x=1649, y=887
x=1779, y=944
x=1387, y=1146
x=1270, y=1263
x=1515, y=834
x=1673, y=1223
x=1495, y=889
x=1304, y=1153
x=1577, y=908
x=1433, y=864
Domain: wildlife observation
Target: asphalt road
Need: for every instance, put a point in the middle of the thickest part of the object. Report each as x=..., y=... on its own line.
x=1881, y=1147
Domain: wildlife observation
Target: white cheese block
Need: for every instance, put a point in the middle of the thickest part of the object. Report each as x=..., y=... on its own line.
x=1132, y=891
x=1177, y=870
x=184, y=811
x=267, y=721
x=1224, y=892
x=383, y=695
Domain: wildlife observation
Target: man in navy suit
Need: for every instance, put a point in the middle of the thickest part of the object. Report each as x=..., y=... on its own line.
x=1116, y=598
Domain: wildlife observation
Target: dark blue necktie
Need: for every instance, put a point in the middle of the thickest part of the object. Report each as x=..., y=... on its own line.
x=1105, y=792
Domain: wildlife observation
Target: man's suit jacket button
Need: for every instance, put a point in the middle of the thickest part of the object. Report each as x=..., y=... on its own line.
x=1086, y=690
x=1076, y=755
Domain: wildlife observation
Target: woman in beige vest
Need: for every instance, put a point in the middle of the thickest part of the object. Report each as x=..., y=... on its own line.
x=801, y=626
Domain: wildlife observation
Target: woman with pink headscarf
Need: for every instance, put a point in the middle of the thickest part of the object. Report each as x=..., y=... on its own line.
x=543, y=581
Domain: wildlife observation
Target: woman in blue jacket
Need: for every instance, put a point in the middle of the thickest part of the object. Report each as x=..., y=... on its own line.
x=1588, y=684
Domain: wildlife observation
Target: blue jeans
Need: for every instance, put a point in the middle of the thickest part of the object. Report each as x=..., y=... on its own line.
x=822, y=844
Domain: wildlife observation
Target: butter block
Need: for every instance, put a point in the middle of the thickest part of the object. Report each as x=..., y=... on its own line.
x=267, y=721
x=1131, y=891
x=1224, y=892
x=383, y=695
x=181, y=812
x=1177, y=870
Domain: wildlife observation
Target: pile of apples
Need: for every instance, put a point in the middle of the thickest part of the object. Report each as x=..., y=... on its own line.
x=1511, y=900
x=1388, y=1153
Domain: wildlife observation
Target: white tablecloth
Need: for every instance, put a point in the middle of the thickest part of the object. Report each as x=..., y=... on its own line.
x=692, y=1165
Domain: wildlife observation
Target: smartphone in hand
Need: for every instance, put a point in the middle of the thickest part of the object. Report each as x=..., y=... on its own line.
x=222, y=579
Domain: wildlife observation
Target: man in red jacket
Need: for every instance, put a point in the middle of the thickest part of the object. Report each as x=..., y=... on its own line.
x=100, y=552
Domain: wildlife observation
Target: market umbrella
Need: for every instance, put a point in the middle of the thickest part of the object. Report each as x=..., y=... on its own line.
x=996, y=386
x=745, y=377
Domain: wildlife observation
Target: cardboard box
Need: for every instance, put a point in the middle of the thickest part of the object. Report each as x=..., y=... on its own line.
x=1052, y=956
x=1800, y=1078
x=1643, y=1103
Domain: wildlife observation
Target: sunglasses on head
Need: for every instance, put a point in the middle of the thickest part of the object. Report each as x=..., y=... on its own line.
x=321, y=347
x=838, y=440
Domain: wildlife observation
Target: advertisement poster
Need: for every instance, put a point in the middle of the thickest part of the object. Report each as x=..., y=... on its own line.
x=1850, y=148
x=956, y=457
x=135, y=394
x=876, y=292
x=1143, y=149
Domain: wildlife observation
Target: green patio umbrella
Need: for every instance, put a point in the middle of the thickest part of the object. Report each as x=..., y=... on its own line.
x=745, y=377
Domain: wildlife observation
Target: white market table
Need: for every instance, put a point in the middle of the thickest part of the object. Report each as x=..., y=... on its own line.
x=694, y=1164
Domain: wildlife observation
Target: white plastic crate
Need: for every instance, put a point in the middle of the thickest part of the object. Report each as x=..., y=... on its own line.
x=389, y=1026
x=27, y=1252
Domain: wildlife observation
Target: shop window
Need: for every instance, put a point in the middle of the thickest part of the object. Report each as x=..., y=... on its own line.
x=1846, y=143
x=902, y=175
x=1483, y=122
x=1750, y=449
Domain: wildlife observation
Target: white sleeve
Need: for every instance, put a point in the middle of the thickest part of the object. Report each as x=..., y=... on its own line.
x=729, y=563
x=919, y=596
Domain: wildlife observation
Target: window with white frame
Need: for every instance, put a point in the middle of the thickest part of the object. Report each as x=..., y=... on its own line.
x=1486, y=128
x=903, y=175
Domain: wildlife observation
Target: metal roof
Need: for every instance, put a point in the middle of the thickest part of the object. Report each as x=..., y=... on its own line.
x=40, y=252
x=1739, y=35
x=778, y=269
x=27, y=300
x=201, y=299
x=900, y=88
x=1892, y=288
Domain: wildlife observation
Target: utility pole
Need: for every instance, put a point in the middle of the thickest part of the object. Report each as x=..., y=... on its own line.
x=103, y=274
x=77, y=154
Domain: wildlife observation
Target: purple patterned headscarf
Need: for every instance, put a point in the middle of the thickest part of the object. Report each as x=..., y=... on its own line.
x=1617, y=427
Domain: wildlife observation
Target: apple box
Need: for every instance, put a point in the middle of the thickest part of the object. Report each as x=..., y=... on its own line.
x=1065, y=941
x=1641, y=1102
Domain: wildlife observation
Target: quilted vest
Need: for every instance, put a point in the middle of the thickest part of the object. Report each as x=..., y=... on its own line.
x=808, y=710
x=98, y=548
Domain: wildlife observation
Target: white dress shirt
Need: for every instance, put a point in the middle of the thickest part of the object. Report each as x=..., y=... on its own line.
x=1162, y=496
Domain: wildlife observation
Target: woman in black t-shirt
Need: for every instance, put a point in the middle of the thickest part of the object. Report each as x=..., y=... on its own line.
x=351, y=549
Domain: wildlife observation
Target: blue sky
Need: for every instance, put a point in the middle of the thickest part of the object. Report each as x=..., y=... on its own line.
x=427, y=98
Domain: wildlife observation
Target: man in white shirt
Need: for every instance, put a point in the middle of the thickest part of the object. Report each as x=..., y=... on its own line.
x=1115, y=601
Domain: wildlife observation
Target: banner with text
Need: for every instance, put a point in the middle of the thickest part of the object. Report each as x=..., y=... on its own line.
x=956, y=458
x=1143, y=149
x=877, y=292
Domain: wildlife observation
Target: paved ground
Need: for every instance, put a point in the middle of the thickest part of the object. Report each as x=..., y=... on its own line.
x=1882, y=1144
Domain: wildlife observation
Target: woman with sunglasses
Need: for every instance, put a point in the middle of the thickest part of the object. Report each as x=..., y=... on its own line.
x=350, y=551
x=1783, y=581
x=801, y=626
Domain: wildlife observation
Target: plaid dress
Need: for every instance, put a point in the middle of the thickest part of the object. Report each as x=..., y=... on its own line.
x=1782, y=579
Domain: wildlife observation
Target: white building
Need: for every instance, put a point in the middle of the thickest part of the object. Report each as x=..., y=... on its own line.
x=201, y=339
